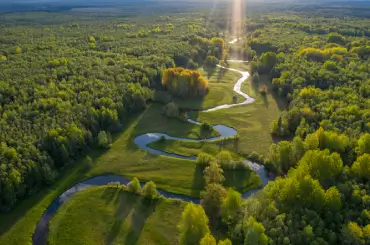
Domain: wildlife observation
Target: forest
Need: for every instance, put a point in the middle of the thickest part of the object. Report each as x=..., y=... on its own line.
x=72, y=84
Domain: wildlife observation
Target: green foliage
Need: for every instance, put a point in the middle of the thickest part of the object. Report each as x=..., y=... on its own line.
x=204, y=159
x=193, y=225
x=212, y=199
x=333, y=199
x=103, y=141
x=208, y=240
x=322, y=165
x=231, y=205
x=364, y=144
x=281, y=156
x=224, y=158
x=336, y=38
x=213, y=174
x=211, y=61
x=134, y=186
x=225, y=242
x=149, y=190
x=361, y=167
x=254, y=232
x=353, y=234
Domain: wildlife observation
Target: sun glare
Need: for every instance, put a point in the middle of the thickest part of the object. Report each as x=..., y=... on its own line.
x=237, y=17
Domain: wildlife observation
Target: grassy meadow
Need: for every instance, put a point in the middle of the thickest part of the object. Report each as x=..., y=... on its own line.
x=119, y=217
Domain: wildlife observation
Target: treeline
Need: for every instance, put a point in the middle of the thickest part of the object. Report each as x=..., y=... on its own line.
x=183, y=82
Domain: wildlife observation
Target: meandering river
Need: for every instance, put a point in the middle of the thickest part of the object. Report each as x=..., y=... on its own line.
x=142, y=141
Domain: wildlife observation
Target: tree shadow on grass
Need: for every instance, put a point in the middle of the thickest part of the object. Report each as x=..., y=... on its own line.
x=125, y=203
x=198, y=181
x=240, y=179
x=143, y=210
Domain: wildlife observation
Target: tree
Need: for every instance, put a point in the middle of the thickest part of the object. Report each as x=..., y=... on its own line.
x=224, y=158
x=204, y=159
x=312, y=142
x=183, y=82
x=321, y=164
x=213, y=174
x=193, y=225
x=225, y=242
x=281, y=155
x=149, y=190
x=254, y=232
x=103, y=140
x=336, y=38
x=362, y=166
x=364, y=144
x=298, y=148
x=231, y=205
x=208, y=239
x=333, y=199
x=211, y=61
x=134, y=185
x=212, y=199
x=352, y=234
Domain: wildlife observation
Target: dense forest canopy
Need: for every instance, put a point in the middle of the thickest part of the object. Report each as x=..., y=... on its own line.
x=67, y=81
x=70, y=77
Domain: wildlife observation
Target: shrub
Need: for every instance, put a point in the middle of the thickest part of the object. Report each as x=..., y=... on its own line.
x=211, y=61
x=204, y=159
x=149, y=190
x=134, y=186
x=224, y=158
x=103, y=140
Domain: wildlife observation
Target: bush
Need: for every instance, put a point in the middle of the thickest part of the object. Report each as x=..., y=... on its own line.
x=224, y=158
x=103, y=140
x=256, y=157
x=134, y=186
x=149, y=190
x=206, y=126
x=211, y=61
x=204, y=159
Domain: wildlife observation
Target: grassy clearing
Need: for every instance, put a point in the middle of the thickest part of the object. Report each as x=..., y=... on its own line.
x=221, y=84
x=175, y=175
x=191, y=148
x=251, y=121
x=119, y=217
x=152, y=120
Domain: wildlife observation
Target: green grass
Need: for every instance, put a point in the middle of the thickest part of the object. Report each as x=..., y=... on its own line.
x=153, y=121
x=189, y=148
x=119, y=217
x=221, y=84
x=175, y=175
x=251, y=121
